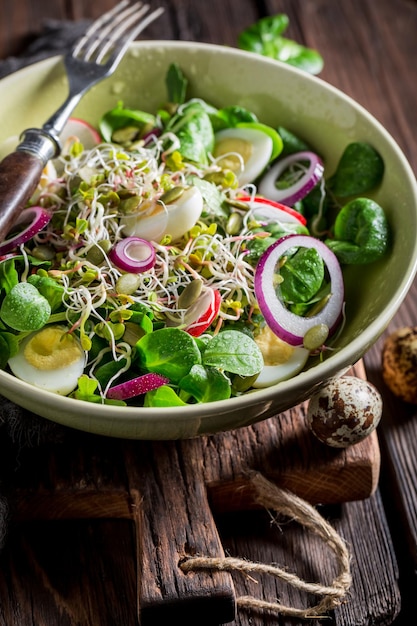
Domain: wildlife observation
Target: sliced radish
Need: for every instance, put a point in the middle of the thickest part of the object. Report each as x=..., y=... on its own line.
x=284, y=323
x=261, y=206
x=137, y=386
x=80, y=130
x=202, y=313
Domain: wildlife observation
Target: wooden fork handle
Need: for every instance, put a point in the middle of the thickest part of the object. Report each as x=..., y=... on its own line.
x=20, y=173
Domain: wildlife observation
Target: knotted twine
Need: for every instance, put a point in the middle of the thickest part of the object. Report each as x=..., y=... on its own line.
x=271, y=497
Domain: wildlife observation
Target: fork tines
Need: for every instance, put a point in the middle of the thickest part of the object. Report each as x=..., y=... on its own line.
x=107, y=38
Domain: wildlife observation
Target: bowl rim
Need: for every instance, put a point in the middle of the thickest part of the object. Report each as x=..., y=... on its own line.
x=337, y=361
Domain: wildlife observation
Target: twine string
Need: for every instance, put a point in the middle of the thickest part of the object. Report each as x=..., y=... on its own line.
x=272, y=497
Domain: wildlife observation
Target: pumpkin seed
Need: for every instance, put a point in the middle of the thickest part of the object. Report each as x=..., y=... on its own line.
x=172, y=195
x=315, y=337
x=190, y=294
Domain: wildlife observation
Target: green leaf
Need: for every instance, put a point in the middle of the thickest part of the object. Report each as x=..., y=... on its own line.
x=8, y=275
x=206, y=384
x=234, y=352
x=49, y=288
x=24, y=308
x=361, y=232
x=359, y=170
x=176, y=84
x=265, y=37
x=119, y=117
x=302, y=274
x=168, y=351
x=194, y=131
x=228, y=117
x=163, y=396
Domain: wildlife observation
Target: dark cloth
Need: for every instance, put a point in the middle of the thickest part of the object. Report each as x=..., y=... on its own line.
x=20, y=429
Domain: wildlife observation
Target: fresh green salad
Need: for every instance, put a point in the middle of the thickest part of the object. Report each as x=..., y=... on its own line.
x=183, y=256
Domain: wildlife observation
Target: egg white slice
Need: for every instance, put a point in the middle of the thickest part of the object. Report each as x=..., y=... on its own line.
x=282, y=361
x=173, y=219
x=254, y=147
x=46, y=362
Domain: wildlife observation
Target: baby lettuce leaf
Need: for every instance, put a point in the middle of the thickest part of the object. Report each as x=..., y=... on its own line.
x=234, y=352
x=265, y=37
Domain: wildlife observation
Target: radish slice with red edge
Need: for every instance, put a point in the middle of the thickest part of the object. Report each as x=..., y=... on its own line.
x=77, y=129
x=137, y=386
x=296, y=192
x=284, y=213
x=32, y=221
x=287, y=325
x=133, y=254
x=203, y=312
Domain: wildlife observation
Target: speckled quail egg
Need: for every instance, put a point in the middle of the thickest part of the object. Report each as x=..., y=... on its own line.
x=344, y=412
x=245, y=151
x=399, y=363
x=50, y=359
x=281, y=361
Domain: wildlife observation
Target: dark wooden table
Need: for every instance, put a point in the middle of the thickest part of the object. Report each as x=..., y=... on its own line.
x=81, y=573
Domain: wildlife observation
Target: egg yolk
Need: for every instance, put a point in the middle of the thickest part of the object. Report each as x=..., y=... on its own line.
x=52, y=348
x=274, y=350
x=230, y=145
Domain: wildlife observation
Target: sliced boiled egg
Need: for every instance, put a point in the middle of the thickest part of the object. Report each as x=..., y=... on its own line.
x=245, y=151
x=281, y=361
x=155, y=221
x=50, y=359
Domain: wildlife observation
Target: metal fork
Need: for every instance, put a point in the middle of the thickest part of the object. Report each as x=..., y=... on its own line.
x=94, y=57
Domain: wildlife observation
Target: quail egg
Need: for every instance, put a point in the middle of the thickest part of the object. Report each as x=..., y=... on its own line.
x=344, y=412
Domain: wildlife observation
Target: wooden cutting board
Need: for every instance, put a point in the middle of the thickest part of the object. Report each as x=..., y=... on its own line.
x=172, y=490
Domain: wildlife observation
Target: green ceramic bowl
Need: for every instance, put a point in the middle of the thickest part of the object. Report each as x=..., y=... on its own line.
x=279, y=95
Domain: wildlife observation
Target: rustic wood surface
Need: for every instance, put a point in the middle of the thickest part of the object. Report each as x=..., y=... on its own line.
x=83, y=572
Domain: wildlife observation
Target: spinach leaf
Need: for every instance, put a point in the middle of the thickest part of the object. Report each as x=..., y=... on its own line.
x=234, y=352
x=302, y=274
x=228, y=117
x=9, y=346
x=359, y=170
x=265, y=37
x=206, y=384
x=361, y=232
x=212, y=196
x=119, y=117
x=176, y=84
x=168, y=351
x=194, y=131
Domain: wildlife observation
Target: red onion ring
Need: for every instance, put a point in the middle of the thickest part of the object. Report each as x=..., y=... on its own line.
x=35, y=218
x=284, y=212
x=302, y=187
x=133, y=254
x=285, y=324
